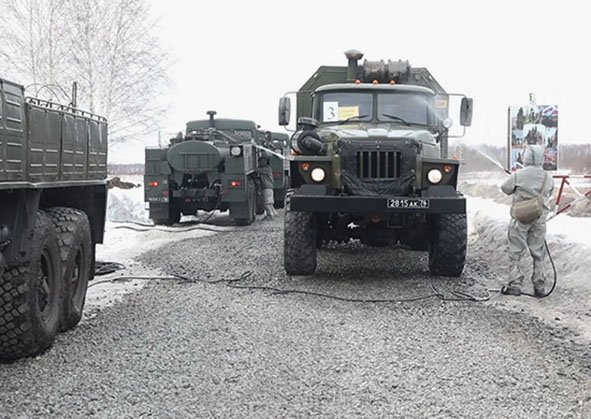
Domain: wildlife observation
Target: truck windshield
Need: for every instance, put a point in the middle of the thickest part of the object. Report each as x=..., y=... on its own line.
x=341, y=106
x=411, y=108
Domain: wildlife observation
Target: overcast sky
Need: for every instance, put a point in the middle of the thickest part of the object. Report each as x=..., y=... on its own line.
x=239, y=57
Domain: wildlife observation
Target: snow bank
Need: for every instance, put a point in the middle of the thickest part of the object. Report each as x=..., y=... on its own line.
x=487, y=185
x=127, y=204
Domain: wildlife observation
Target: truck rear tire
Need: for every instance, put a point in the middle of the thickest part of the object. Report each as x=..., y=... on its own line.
x=299, y=242
x=30, y=296
x=260, y=200
x=447, y=244
x=250, y=205
x=73, y=234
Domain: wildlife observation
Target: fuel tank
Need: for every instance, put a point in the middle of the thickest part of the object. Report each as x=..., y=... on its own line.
x=195, y=157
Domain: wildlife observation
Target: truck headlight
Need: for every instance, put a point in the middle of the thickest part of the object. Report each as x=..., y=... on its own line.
x=318, y=174
x=235, y=150
x=434, y=176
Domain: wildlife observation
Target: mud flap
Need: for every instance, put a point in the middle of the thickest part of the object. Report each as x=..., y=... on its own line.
x=238, y=210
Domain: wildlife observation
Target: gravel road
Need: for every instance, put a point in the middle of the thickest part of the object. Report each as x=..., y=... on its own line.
x=190, y=349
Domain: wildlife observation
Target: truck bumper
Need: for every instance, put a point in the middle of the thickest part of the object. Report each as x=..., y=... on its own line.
x=433, y=202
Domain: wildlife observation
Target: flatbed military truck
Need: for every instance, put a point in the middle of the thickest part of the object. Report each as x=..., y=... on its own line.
x=370, y=163
x=53, y=170
x=213, y=166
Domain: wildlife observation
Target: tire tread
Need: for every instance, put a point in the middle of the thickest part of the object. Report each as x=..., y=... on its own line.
x=300, y=250
x=447, y=253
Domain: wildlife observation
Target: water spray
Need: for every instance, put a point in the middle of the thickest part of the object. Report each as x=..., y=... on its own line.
x=492, y=160
x=260, y=147
x=581, y=196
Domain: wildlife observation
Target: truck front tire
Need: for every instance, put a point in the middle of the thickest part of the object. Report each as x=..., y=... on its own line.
x=447, y=244
x=73, y=233
x=299, y=242
x=30, y=296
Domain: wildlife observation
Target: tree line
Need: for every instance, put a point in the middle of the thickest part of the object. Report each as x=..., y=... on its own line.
x=109, y=47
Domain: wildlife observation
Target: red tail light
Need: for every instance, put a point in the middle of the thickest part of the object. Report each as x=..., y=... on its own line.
x=235, y=183
x=154, y=184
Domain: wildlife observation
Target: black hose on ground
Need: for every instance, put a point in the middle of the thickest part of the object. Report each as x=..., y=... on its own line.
x=237, y=283
x=555, y=279
x=105, y=268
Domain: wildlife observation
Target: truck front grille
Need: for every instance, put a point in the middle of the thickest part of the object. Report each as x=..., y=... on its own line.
x=378, y=164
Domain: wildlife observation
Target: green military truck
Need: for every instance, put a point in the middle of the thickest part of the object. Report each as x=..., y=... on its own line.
x=53, y=169
x=212, y=167
x=371, y=164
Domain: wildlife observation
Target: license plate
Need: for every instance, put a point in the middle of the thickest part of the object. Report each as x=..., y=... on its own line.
x=411, y=203
x=159, y=199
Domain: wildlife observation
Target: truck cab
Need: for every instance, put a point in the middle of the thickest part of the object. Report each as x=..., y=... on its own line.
x=369, y=162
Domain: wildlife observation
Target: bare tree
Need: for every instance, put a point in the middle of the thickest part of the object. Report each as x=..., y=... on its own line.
x=108, y=46
x=32, y=47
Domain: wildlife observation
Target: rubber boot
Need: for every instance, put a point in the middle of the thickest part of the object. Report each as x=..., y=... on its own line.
x=514, y=285
x=538, y=279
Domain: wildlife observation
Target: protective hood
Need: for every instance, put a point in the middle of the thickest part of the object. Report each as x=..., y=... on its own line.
x=533, y=155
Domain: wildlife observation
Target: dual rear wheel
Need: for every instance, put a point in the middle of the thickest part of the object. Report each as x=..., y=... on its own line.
x=47, y=292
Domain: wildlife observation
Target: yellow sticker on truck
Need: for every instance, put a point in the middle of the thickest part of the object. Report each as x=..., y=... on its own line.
x=346, y=112
x=441, y=103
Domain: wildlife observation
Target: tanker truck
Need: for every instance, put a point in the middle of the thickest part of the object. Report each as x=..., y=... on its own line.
x=370, y=163
x=213, y=166
x=53, y=191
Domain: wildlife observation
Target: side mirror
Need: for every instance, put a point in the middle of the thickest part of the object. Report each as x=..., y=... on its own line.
x=284, y=110
x=466, y=112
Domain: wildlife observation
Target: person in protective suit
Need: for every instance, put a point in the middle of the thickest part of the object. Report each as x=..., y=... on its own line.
x=266, y=175
x=526, y=183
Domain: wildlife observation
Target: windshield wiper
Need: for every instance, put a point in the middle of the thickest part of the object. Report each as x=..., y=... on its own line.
x=396, y=118
x=351, y=118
